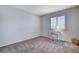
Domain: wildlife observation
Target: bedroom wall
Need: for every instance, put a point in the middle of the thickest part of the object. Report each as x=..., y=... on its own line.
x=17, y=25
x=72, y=23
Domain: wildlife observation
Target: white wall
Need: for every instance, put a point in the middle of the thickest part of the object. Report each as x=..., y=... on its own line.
x=72, y=23
x=17, y=25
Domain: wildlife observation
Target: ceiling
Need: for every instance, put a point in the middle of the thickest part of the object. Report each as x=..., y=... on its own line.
x=42, y=9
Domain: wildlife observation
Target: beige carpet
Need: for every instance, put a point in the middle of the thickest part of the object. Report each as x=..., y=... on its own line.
x=40, y=45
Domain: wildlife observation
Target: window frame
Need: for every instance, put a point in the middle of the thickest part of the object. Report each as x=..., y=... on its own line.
x=57, y=21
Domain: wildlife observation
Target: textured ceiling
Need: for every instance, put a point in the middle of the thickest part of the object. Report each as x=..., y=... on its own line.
x=42, y=9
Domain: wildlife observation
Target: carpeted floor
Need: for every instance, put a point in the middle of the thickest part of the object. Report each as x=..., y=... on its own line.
x=40, y=45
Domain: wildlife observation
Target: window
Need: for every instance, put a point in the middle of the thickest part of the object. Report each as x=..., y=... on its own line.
x=58, y=21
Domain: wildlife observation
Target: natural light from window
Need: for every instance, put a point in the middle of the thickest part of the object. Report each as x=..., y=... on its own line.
x=58, y=21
